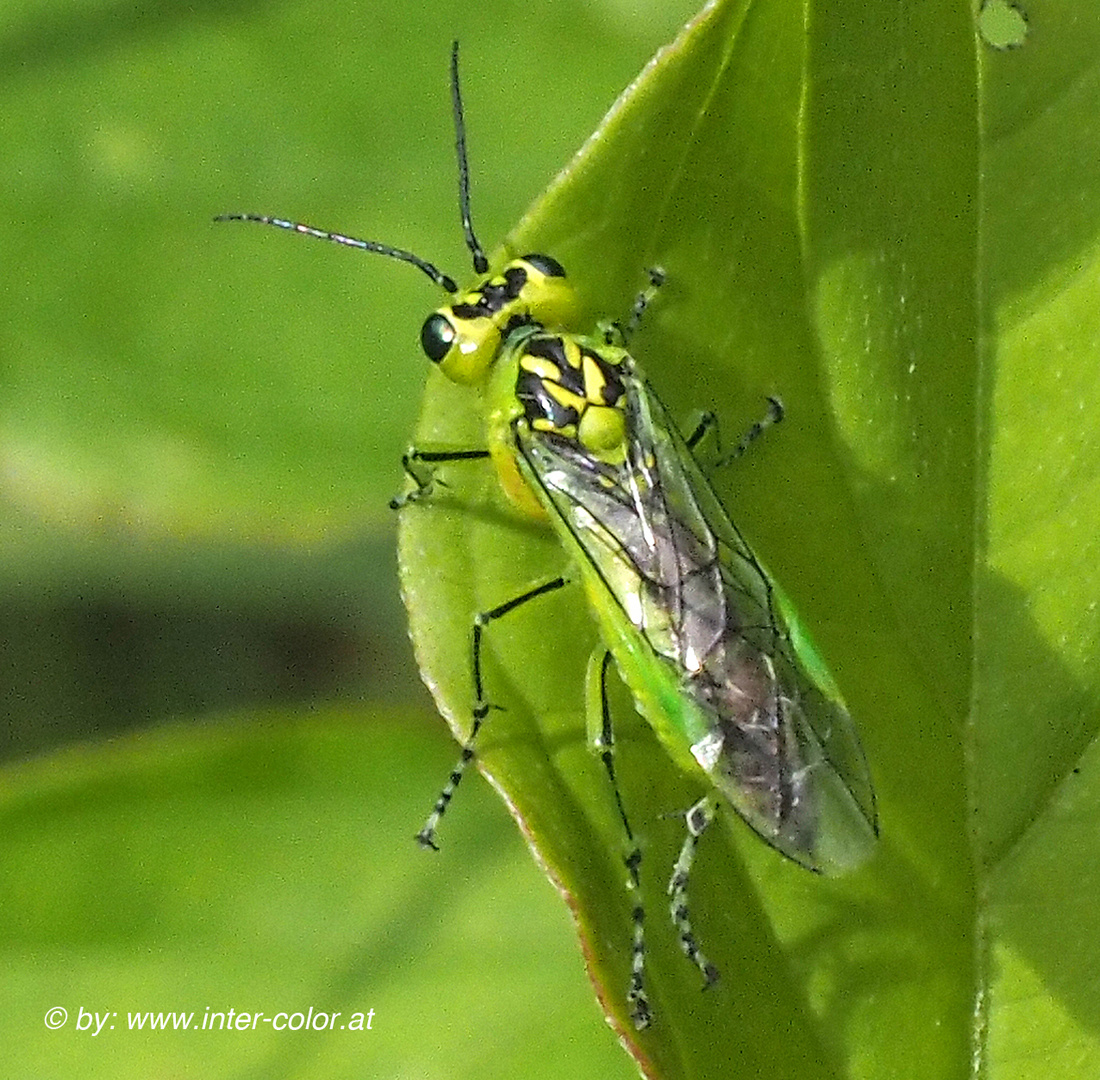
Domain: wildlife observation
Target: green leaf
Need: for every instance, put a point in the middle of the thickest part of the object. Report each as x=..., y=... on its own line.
x=266, y=865
x=1036, y=786
x=163, y=374
x=892, y=226
x=862, y=208
x=200, y=428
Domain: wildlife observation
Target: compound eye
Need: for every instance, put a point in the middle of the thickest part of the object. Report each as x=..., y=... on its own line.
x=545, y=265
x=437, y=336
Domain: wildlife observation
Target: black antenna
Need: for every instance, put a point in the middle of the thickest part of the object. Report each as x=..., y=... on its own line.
x=442, y=280
x=481, y=264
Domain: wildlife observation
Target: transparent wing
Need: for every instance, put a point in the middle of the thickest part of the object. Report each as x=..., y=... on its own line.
x=753, y=702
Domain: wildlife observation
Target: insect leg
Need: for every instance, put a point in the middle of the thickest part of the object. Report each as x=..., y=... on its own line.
x=603, y=740
x=426, y=836
x=697, y=820
x=707, y=423
x=773, y=416
x=425, y=478
x=642, y=301
x=614, y=333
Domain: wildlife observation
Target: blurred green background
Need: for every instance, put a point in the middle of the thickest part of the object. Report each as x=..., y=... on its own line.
x=215, y=741
x=216, y=747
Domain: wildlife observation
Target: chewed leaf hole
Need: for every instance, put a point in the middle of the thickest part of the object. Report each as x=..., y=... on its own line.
x=1002, y=24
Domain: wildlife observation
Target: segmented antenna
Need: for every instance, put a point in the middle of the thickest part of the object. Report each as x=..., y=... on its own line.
x=481, y=264
x=442, y=280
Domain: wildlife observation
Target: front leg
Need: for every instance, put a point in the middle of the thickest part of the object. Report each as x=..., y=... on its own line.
x=418, y=466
